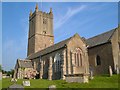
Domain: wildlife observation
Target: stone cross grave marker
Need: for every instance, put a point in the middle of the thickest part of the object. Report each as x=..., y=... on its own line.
x=16, y=87
x=91, y=74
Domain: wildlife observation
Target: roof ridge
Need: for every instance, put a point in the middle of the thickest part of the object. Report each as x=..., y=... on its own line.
x=55, y=44
x=101, y=38
x=72, y=37
x=101, y=34
x=24, y=63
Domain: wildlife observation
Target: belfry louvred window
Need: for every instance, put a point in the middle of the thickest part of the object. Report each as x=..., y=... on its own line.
x=44, y=21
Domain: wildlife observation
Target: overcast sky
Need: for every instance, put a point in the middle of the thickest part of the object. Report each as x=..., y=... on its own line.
x=86, y=19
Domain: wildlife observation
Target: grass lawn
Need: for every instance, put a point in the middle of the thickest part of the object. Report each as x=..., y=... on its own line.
x=0, y=84
x=98, y=82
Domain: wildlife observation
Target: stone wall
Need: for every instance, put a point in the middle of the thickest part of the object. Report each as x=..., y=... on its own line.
x=119, y=45
x=78, y=79
x=40, y=31
x=106, y=58
x=115, y=49
x=45, y=61
x=16, y=70
x=66, y=65
x=77, y=43
x=43, y=41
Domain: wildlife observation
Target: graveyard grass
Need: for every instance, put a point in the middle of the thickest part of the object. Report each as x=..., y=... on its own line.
x=0, y=84
x=103, y=81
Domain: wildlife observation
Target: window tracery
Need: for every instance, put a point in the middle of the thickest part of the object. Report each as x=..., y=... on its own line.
x=57, y=63
x=78, y=57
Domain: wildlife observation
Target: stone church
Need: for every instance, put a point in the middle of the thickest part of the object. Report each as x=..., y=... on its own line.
x=74, y=57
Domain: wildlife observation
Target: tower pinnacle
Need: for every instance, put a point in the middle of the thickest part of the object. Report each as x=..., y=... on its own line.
x=36, y=8
x=30, y=12
x=50, y=10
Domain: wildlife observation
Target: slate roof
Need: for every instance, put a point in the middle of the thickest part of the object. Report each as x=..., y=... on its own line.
x=50, y=49
x=25, y=63
x=100, y=39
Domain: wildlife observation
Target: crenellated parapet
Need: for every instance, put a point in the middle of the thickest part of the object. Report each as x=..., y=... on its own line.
x=40, y=13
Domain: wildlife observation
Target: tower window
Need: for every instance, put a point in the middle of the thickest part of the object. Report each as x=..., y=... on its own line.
x=44, y=21
x=98, y=60
x=44, y=32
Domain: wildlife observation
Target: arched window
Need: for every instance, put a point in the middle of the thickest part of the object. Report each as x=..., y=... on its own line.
x=78, y=57
x=57, y=63
x=98, y=60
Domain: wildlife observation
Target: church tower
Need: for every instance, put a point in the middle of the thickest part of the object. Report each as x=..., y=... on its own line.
x=40, y=30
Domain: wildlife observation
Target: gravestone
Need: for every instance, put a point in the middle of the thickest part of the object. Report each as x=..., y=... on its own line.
x=91, y=75
x=26, y=83
x=52, y=87
x=117, y=69
x=110, y=71
x=16, y=87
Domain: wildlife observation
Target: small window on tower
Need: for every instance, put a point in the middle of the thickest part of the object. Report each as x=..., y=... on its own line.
x=45, y=45
x=44, y=32
x=44, y=21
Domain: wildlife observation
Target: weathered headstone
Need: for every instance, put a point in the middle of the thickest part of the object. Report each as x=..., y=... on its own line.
x=26, y=83
x=110, y=71
x=117, y=69
x=16, y=87
x=91, y=75
x=52, y=87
